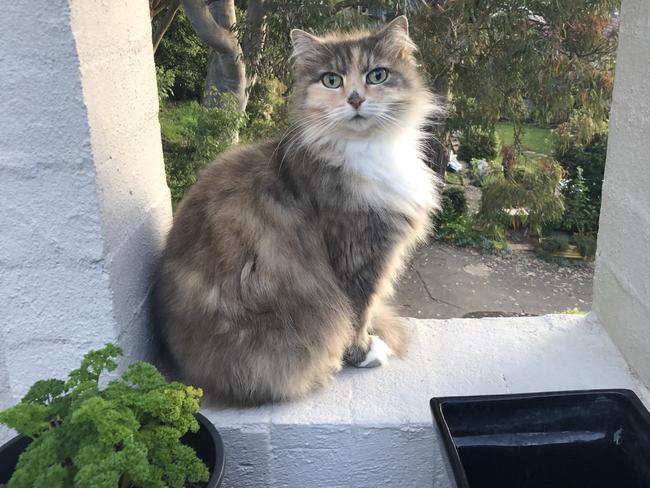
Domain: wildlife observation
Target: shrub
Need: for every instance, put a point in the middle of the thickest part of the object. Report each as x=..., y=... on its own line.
x=480, y=169
x=165, y=82
x=531, y=185
x=454, y=200
x=193, y=135
x=267, y=110
x=580, y=214
x=555, y=243
x=580, y=130
x=460, y=230
x=591, y=158
x=585, y=244
x=478, y=143
x=217, y=128
x=127, y=434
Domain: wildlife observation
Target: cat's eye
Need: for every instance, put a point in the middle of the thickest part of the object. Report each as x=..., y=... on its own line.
x=331, y=80
x=377, y=76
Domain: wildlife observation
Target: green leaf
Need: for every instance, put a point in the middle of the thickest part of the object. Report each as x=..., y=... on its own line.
x=94, y=364
x=30, y=419
x=45, y=391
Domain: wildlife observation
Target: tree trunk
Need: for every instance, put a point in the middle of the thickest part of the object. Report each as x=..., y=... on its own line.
x=226, y=74
x=171, y=10
x=227, y=71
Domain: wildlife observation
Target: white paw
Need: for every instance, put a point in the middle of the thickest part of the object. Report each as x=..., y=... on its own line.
x=377, y=355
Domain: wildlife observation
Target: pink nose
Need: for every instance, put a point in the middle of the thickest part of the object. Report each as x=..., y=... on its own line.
x=355, y=100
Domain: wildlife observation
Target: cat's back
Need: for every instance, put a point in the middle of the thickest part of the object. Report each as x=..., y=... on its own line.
x=232, y=176
x=232, y=197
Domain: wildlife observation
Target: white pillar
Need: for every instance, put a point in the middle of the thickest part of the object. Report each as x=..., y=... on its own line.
x=84, y=205
x=622, y=281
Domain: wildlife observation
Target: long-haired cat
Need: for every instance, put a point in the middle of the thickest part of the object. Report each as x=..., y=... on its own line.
x=282, y=256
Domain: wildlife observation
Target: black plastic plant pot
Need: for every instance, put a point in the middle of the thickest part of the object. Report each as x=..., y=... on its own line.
x=209, y=448
x=577, y=439
x=206, y=442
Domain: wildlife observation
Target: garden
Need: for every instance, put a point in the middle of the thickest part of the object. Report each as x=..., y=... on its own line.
x=541, y=196
x=528, y=117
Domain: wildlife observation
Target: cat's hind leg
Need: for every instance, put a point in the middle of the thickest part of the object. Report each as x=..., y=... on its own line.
x=389, y=327
x=381, y=335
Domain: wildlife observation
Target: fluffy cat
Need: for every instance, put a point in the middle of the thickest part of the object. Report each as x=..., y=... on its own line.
x=283, y=255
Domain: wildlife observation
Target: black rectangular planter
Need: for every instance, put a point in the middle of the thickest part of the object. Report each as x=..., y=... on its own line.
x=577, y=439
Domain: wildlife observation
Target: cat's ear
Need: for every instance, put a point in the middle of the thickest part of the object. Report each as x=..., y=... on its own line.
x=399, y=25
x=303, y=42
x=396, y=35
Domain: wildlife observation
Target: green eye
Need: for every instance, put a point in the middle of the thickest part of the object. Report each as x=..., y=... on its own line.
x=331, y=80
x=377, y=76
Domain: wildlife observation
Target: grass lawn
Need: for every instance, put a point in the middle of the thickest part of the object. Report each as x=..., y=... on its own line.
x=454, y=178
x=178, y=121
x=536, y=139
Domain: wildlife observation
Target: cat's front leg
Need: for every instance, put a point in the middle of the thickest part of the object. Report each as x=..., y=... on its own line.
x=367, y=350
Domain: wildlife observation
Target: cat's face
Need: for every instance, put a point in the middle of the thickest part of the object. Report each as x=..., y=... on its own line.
x=357, y=85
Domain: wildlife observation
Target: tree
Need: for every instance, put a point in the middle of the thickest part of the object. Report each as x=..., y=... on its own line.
x=215, y=23
x=494, y=56
x=250, y=39
x=164, y=11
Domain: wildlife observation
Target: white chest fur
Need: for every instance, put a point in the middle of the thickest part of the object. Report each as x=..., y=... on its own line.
x=389, y=173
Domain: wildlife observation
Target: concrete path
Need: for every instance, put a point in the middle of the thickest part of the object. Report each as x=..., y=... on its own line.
x=446, y=282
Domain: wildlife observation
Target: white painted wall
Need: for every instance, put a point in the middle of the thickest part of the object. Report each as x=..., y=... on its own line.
x=83, y=199
x=374, y=428
x=119, y=89
x=622, y=280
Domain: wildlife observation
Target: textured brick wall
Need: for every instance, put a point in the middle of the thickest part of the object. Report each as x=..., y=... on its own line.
x=83, y=199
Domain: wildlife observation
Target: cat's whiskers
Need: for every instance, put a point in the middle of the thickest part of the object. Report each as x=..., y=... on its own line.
x=301, y=130
x=290, y=135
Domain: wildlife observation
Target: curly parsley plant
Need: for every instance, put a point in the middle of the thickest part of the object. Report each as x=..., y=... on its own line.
x=125, y=435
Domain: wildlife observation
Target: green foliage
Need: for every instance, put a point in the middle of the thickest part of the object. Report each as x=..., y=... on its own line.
x=183, y=58
x=460, y=230
x=529, y=185
x=533, y=138
x=494, y=58
x=580, y=214
x=454, y=201
x=267, y=111
x=126, y=435
x=500, y=55
x=480, y=169
x=477, y=143
x=555, y=243
x=573, y=311
x=193, y=135
x=578, y=131
x=217, y=128
x=318, y=17
x=165, y=81
x=591, y=158
x=454, y=178
x=585, y=244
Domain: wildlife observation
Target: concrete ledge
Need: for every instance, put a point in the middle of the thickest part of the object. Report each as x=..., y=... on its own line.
x=374, y=427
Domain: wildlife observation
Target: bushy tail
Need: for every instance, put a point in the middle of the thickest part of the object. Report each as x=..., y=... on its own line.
x=391, y=328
